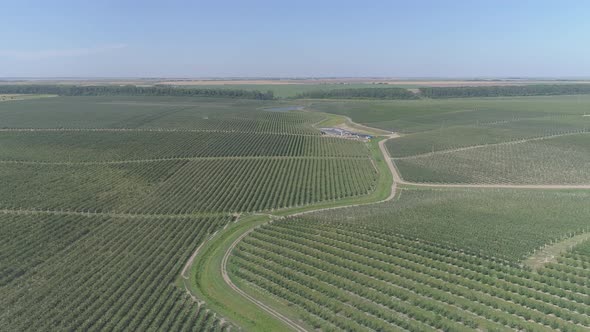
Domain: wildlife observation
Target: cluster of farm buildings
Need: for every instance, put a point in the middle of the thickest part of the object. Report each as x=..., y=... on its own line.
x=345, y=134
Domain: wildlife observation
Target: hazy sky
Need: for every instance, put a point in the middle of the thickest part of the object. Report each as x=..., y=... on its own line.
x=294, y=38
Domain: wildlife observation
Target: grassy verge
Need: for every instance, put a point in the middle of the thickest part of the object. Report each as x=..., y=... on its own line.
x=207, y=283
x=15, y=97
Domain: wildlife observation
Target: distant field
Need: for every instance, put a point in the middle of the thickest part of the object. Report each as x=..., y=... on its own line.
x=505, y=223
x=15, y=97
x=557, y=160
x=412, y=116
x=166, y=113
x=518, y=140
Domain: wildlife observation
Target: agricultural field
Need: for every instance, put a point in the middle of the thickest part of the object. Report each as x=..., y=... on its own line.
x=558, y=160
x=509, y=224
x=108, y=200
x=104, y=199
x=95, y=273
x=434, y=259
x=346, y=277
x=154, y=113
x=414, y=116
x=443, y=258
x=516, y=141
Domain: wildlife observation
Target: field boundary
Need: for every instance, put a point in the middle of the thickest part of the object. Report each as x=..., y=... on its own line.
x=132, y=161
x=109, y=214
x=158, y=130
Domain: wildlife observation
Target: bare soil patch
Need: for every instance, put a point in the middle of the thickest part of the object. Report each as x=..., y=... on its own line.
x=550, y=253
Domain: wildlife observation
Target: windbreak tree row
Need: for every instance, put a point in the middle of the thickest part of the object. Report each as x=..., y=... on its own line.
x=360, y=93
x=132, y=90
x=505, y=91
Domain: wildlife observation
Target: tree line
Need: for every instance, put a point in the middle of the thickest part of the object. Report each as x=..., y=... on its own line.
x=505, y=91
x=360, y=93
x=132, y=90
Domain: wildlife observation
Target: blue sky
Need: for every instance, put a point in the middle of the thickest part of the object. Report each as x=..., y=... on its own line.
x=258, y=38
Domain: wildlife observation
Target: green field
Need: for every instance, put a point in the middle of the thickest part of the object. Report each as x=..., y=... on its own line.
x=63, y=272
x=482, y=140
x=121, y=213
x=374, y=279
x=104, y=199
x=554, y=161
x=505, y=223
x=433, y=259
x=439, y=258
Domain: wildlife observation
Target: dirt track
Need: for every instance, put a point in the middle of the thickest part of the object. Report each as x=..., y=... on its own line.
x=550, y=253
x=260, y=304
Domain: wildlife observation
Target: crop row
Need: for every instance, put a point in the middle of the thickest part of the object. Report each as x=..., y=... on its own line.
x=119, y=275
x=447, y=138
x=255, y=185
x=504, y=223
x=370, y=279
x=558, y=160
x=183, y=186
x=154, y=112
x=72, y=146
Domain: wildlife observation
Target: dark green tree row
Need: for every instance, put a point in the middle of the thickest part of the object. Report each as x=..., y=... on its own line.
x=360, y=93
x=505, y=91
x=132, y=90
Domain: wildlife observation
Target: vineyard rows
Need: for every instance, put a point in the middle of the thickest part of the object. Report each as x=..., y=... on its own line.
x=509, y=224
x=558, y=160
x=456, y=137
x=96, y=273
x=185, y=186
x=255, y=185
x=154, y=112
x=72, y=146
x=344, y=277
x=493, y=116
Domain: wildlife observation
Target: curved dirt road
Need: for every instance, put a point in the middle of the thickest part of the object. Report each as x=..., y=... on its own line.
x=260, y=304
x=228, y=253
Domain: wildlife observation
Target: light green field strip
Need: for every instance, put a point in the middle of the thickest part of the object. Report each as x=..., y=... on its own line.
x=16, y=97
x=132, y=161
x=28, y=211
x=208, y=279
x=108, y=130
x=423, y=155
x=550, y=253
